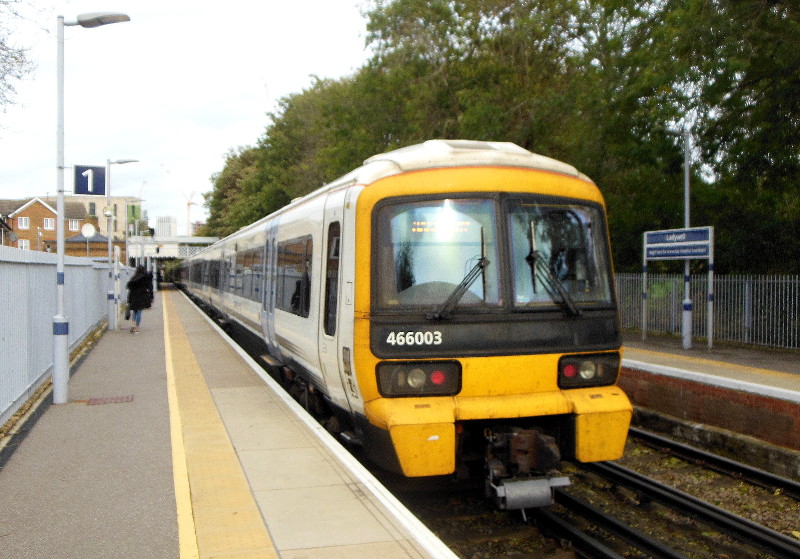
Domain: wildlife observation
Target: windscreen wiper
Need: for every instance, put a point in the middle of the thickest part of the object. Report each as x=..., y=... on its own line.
x=450, y=303
x=550, y=282
x=552, y=285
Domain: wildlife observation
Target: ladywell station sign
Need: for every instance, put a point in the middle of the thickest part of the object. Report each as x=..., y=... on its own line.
x=681, y=244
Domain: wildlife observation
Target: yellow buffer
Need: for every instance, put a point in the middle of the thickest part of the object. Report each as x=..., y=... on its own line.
x=422, y=432
x=603, y=416
x=426, y=449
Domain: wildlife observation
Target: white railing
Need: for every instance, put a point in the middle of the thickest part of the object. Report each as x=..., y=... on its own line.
x=753, y=310
x=27, y=307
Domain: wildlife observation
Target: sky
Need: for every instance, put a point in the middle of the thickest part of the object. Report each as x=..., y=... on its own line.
x=177, y=88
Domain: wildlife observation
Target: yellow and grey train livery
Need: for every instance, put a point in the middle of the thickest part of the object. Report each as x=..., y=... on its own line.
x=447, y=304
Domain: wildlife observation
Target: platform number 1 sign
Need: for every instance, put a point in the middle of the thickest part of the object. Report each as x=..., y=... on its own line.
x=90, y=180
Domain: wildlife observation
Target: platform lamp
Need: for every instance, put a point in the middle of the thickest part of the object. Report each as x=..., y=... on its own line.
x=60, y=323
x=112, y=296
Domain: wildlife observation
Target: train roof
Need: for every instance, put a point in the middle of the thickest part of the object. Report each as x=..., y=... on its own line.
x=459, y=153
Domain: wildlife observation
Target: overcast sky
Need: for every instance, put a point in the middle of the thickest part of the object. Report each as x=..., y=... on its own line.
x=177, y=87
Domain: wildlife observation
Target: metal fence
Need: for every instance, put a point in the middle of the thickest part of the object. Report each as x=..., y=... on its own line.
x=27, y=307
x=754, y=310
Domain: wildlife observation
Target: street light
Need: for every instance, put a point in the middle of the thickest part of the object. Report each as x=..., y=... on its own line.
x=686, y=322
x=60, y=323
x=112, y=296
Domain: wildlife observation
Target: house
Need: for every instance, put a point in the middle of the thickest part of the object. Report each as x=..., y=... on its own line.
x=30, y=223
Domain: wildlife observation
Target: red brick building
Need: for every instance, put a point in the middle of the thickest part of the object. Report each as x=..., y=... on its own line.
x=30, y=224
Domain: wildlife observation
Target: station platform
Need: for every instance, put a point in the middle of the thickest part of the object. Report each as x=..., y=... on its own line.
x=745, y=401
x=173, y=445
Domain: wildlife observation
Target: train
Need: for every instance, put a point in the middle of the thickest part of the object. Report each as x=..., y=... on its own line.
x=448, y=307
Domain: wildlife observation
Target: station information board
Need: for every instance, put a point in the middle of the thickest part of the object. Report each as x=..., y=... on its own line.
x=681, y=244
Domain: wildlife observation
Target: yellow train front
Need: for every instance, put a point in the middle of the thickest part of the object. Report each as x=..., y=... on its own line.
x=485, y=327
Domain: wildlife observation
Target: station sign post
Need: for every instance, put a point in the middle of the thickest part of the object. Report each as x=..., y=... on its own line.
x=681, y=244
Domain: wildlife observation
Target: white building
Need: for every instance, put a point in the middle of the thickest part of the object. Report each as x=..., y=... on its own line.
x=166, y=227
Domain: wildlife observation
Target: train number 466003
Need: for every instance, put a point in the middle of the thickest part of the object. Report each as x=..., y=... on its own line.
x=403, y=338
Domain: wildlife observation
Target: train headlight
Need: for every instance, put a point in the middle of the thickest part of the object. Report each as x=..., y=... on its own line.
x=580, y=371
x=588, y=370
x=398, y=379
x=416, y=378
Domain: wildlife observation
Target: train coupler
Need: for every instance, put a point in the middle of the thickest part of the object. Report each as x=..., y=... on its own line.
x=514, y=458
x=524, y=493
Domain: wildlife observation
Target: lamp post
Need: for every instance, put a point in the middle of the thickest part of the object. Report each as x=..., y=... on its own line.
x=60, y=323
x=112, y=296
x=686, y=323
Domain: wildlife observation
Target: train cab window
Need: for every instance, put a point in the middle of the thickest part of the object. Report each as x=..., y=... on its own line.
x=429, y=250
x=559, y=255
x=332, y=279
x=294, y=276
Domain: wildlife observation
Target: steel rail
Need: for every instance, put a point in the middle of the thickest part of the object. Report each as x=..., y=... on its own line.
x=630, y=534
x=583, y=544
x=736, y=526
x=760, y=477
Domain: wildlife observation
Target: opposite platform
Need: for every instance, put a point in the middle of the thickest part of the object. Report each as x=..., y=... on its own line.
x=773, y=373
x=741, y=402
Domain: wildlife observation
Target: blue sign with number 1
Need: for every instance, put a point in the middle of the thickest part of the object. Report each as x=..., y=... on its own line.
x=90, y=180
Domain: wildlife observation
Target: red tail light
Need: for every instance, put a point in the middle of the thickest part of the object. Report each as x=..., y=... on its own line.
x=418, y=378
x=580, y=371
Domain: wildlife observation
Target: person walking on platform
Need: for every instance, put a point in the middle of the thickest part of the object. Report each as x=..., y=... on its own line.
x=140, y=295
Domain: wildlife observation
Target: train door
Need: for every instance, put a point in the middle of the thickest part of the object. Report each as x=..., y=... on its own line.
x=330, y=301
x=268, y=293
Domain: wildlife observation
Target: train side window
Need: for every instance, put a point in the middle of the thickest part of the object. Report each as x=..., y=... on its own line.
x=332, y=279
x=213, y=274
x=294, y=276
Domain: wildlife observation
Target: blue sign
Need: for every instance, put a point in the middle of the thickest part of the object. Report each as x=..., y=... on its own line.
x=679, y=244
x=694, y=235
x=677, y=252
x=90, y=180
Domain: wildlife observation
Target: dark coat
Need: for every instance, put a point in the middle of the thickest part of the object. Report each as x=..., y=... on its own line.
x=140, y=291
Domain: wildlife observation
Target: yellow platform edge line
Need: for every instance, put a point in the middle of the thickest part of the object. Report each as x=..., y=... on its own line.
x=187, y=539
x=711, y=362
x=225, y=499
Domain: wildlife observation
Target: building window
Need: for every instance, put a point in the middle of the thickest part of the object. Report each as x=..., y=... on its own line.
x=74, y=225
x=23, y=223
x=24, y=244
x=92, y=208
x=49, y=223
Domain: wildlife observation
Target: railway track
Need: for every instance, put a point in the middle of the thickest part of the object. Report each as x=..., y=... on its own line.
x=719, y=463
x=736, y=526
